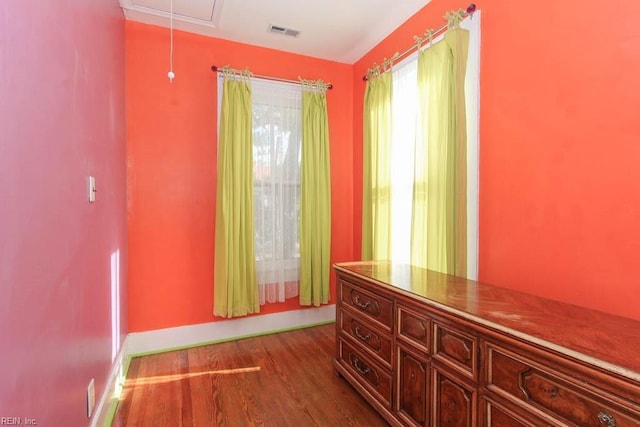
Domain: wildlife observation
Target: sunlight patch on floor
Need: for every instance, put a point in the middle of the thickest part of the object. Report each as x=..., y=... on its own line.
x=161, y=379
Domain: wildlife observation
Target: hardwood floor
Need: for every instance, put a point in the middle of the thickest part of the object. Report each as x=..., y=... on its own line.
x=283, y=379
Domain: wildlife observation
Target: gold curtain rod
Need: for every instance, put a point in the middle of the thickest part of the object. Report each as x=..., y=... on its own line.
x=278, y=79
x=429, y=35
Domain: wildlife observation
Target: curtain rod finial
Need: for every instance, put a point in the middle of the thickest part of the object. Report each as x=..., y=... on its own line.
x=471, y=8
x=214, y=68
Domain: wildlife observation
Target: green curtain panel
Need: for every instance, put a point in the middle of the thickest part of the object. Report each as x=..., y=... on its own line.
x=315, y=203
x=438, y=237
x=235, y=287
x=376, y=192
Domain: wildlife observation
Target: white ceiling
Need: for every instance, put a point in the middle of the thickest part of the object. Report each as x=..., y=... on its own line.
x=338, y=30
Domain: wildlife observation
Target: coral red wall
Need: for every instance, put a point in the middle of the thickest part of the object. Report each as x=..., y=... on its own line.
x=62, y=119
x=171, y=151
x=559, y=146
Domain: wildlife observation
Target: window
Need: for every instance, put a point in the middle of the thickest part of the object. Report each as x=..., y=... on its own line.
x=277, y=142
x=403, y=106
x=404, y=110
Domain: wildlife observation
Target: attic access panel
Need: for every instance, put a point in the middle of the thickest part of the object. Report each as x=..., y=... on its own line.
x=194, y=11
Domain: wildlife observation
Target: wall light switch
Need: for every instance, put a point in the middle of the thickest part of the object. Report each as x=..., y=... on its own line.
x=92, y=189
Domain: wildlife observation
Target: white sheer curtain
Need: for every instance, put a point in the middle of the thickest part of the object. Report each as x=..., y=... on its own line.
x=404, y=107
x=277, y=135
x=472, y=102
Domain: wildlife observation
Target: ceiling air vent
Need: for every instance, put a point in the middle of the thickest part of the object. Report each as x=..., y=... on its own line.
x=282, y=30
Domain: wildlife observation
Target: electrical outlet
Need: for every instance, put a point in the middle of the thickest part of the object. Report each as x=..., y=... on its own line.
x=91, y=397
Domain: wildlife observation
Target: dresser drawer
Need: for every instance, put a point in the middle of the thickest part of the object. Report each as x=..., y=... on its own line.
x=539, y=387
x=369, y=373
x=456, y=349
x=496, y=415
x=376, y=342
x=414, y=327
x=374, y=306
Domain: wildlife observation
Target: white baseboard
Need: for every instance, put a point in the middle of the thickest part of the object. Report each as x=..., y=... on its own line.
x=106, y=405
x=188, y=336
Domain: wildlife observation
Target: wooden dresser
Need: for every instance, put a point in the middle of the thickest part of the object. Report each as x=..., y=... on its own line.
x=427, y=349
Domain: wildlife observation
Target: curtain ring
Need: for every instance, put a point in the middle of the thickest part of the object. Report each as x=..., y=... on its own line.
x=429, y=34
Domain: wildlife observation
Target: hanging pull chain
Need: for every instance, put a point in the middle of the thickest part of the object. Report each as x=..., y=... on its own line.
x=171, y=74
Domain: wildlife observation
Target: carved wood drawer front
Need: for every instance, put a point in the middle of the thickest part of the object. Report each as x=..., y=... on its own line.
x=412, y=394
x=454, y=402
x=376, y=307
x=379, y=344
x=536, y=386
x=496, y=415
x=456, y=349
x=414, y=327
x=376, y=379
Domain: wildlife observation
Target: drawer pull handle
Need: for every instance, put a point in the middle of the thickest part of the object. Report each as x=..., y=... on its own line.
x=359, y=335
x=358, y=365
x=356, y=301
x=370, y=374
x=607, y=419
